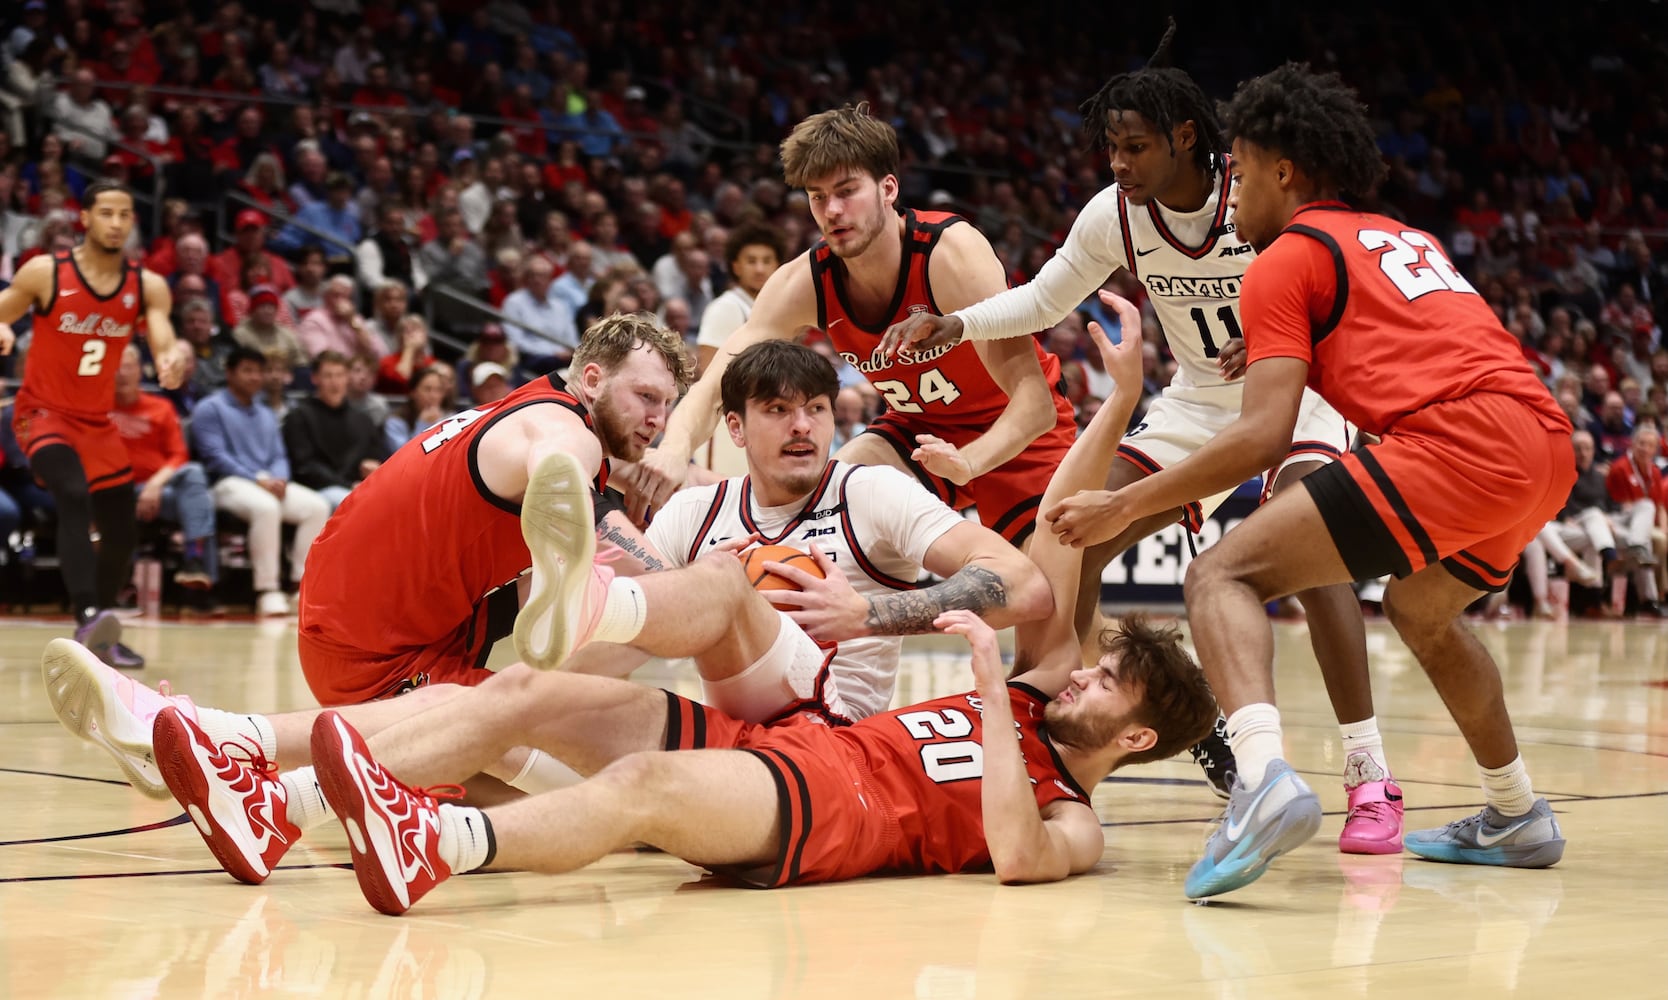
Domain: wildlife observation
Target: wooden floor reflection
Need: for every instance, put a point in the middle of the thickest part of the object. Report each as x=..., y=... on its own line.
x=106, y=894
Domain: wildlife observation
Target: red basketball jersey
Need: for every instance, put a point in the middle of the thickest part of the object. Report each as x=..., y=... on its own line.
x=411, y=552
x=78, y=341
x=929, y=761
x=1387, y=324
x=944, y=387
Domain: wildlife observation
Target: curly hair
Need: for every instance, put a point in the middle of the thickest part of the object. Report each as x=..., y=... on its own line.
x=611, y=339
x=1175, y=699
x=1313, y=119
x=1163, y=95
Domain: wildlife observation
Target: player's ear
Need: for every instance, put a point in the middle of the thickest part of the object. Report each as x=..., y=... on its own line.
x=1136, y=739
x=889, y=189
x=1285, y=173
x=1185, y=136
x=732, y=421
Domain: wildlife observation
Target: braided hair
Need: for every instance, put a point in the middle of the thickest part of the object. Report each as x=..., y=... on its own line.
x=1313, y=119
x=1163, y=95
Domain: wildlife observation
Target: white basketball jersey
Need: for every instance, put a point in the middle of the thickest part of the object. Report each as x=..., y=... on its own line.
x=875, y=522
x=1192, y=265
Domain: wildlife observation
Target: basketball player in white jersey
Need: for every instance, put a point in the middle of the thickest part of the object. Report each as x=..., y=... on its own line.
x=1166, y=221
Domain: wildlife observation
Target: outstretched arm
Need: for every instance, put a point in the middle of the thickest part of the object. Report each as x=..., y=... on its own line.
x=1027, y=843
x=28, y=290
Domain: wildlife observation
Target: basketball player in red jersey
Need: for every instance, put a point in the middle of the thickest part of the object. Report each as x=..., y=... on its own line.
x=1473, y=458
x=916, y=790
x=88, y=301
x=979, y=423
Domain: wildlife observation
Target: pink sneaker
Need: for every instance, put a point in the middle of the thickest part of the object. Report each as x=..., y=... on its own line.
x=1374, y=824
x=570, y=583
x=393, y=831
x=239, y=806
x=109, y=709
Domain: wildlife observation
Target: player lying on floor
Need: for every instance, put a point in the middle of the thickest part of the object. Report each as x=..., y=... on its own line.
x=918, y=789
x=835, y=654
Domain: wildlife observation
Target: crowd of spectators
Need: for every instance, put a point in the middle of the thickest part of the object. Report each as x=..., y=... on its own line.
x=355, y=177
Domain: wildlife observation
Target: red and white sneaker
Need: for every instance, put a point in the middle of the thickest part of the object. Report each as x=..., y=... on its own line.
x=232, y=794
x=1374, y=824
x=109, y=710
x=393, y=831
x=570, y=583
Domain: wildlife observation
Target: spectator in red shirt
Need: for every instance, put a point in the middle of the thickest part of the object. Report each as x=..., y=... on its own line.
x=376, y=93
x=395, y=371
x=1634, y=482
x=227, y=266
x=169, y=485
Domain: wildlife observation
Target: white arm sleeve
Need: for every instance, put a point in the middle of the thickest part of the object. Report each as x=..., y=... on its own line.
x=1093, y=251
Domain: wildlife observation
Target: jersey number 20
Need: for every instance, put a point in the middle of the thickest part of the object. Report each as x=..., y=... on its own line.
x=959, y=760
x=933, y=387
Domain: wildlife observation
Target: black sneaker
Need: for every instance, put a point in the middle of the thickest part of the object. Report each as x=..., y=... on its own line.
x=193, y=575
x=1216, y=758
x=1651, y=609
x=118, y=655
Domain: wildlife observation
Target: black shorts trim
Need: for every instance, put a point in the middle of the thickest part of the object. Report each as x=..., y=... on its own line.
x=108, y=480
x=1364, y=541
x=791, y=792
x=681, y=713
x=1021, y=519
x=493, y=619
x=1398, y=503
x=1471, y=578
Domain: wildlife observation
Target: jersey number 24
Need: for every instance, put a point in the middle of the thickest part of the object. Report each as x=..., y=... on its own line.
x=931, y=387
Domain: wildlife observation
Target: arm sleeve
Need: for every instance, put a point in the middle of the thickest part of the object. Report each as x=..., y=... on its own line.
x=1092, y=253
x=1287, y=292
x=903, y=515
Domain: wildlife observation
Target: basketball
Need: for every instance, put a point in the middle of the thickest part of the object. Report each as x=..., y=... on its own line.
x=762, y=580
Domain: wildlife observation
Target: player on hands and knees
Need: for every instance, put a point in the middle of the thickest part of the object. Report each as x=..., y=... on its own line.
x=918, y=789
x=88, y=303
x=981, y=424
x=1166, y=221
x=1472, y=458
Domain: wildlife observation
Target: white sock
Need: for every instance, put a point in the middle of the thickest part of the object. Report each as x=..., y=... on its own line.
x=1254, y=733
x=465, y=838
x=623, y=612
x=247, y=731
x=307, y=805
x=1362, y=738
x=543, y=773
x=1507, y=788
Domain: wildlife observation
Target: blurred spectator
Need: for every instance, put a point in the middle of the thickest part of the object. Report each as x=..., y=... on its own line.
x=337, y=325
x=1633, y=484
x=573, y=285
x=192, y=262
x=422, y=408
x=386, y=255
x=488, y=383
x=261, y=331
x=332, y=224
x=389, y=304
x=332, y=445
x=194, y=322
x=542, y=327
x=242, y=448
x=490, y=346
x=848, y=417
x=228, y=266
x=394, y=373
x=607, y=248
x=308, y=293
x=169, y=485
x=454, y=260
x=361, y=390
x=1614, y=428
x=83, y=120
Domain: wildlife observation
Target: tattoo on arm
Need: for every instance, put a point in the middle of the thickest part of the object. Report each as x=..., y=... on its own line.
x=911, y=612
x=631, y=547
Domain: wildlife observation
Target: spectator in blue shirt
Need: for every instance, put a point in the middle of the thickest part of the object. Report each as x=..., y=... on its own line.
x=239, y=442
x=542, y=327
x=596, y=131
x=337, y=217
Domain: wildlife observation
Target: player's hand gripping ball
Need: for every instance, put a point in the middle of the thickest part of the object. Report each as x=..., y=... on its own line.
x=764, y=581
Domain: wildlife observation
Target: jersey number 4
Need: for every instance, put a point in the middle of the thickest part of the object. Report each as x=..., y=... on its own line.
x=959, y=760
x=1414, y=264
x=932, y=387
x=450, y=428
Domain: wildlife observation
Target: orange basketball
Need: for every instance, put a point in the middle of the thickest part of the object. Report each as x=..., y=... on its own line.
x=762, y=580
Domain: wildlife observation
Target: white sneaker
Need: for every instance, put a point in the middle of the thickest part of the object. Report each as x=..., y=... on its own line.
x=272, y=604
x=557, y=524
x=109, y=710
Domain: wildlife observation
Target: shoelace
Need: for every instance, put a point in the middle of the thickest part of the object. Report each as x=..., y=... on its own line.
x=1376, y=809
x=430, y=794
x=248, y=753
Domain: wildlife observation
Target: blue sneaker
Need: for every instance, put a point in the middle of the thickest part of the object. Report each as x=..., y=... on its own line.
x=1532, y=840
x=1247, y=840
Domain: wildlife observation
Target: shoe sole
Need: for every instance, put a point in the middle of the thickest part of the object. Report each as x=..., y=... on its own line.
x=1544, y=854
x=82, y=701
x=1367, y=845
x=193, y=581
x=557, y=526
x=183, y=773
x=369, y=837
x=1241, y=865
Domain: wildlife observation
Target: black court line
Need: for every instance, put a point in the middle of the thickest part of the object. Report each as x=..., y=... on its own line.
x=182, y=871
x=162, y=825
x=66, y=777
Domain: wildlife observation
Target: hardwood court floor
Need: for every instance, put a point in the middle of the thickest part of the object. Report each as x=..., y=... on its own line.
x=106, y=894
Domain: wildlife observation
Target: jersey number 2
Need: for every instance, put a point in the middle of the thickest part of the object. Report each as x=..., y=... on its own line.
x=92, y=357
x=1402, y=263
x=946, y=762
x=933, y=388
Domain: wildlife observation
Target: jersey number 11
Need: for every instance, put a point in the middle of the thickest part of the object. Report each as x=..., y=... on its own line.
x=1226, y=317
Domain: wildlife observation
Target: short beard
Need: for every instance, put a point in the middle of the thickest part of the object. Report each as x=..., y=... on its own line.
x=617, y=439
x=1077, y=731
